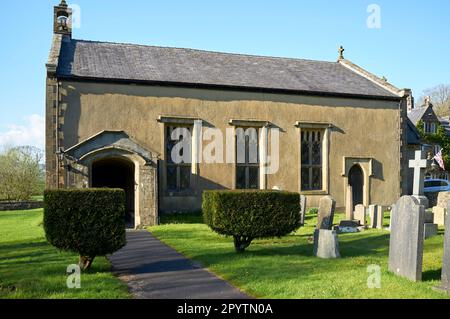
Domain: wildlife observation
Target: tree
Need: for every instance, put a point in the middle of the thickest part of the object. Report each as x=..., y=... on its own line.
x=90, y=222
x=440, y=98
x=439, y=138
x=21, y=174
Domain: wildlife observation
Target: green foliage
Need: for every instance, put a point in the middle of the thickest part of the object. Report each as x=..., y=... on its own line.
x=287, y=269
x=90, y=222
x=30, y=268
x=247, y=215
x=21, y=173
x=440, y=138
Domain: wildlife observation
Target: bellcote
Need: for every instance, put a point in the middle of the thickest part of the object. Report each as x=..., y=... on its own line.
x=62, y=19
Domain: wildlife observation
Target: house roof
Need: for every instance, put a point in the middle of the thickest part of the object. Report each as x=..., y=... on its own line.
x=412, y=133
x=79, y=59
x=416, y=114
x=425, y=113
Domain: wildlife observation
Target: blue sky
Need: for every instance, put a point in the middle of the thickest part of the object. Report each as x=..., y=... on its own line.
x=412, y=47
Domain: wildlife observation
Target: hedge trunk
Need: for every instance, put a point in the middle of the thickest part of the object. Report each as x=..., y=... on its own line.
x=241, y=243
x=85, y=262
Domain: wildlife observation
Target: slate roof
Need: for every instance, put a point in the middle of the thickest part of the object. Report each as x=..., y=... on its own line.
x=128, y=62
x=412, y=133
x=425, y=113
x=416, y=114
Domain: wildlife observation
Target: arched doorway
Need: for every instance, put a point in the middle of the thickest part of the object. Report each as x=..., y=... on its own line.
x=117, y=173
x=356, y=181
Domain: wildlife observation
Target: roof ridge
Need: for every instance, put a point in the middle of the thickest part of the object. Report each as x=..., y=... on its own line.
x=207, y=51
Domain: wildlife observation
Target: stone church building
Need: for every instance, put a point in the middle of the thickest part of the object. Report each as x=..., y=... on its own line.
x=111, y=108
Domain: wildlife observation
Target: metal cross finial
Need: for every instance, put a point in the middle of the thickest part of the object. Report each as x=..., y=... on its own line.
x=341, y=52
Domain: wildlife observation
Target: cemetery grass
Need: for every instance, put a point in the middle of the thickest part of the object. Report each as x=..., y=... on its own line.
x=32, y=269
x=286, y=267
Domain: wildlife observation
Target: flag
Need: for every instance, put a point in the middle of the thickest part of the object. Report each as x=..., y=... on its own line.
x=439, y=159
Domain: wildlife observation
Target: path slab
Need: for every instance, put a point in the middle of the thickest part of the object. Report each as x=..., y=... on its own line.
x=153, y=270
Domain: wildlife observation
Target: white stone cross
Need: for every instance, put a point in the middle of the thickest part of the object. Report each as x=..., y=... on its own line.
x=419, y=164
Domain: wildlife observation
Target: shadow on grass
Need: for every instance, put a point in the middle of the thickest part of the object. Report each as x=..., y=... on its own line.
x=349, y=248
x=432, y=275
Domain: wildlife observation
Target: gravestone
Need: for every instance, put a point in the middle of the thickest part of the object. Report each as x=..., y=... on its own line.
x=428, y=217
x=326, y=244
x=430, y=230
x=443, y=199
x=349, y=203
x=360, y=214
x=407, y=237
x=376, y=214
x=445, y=277
x=302, y=209
x=325, y=217
x=380, y=216
x=439, y=215
x=419, y=164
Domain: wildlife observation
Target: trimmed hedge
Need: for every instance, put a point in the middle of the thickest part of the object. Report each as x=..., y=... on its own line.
x=90, y=222
x=247, y=215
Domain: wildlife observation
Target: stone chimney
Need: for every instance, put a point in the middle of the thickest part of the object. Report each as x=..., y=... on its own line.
x=62, y=19
x=409, y=99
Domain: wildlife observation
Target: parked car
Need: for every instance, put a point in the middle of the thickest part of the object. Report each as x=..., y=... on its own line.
x=436, y=185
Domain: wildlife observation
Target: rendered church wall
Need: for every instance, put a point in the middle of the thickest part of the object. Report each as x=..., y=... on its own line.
x=361, y=128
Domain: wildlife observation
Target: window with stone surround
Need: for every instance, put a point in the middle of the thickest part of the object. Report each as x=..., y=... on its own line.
x=178, y=175
x=312, y=159
x=247, y=158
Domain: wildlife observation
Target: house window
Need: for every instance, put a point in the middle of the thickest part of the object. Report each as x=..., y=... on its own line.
x=430, y=127
x=311, y=160
x=178, y=174
x=247, y=158
x=437, y=149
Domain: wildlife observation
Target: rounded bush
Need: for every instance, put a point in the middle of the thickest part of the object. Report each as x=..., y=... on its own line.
x=90, y=222
x=247, y=215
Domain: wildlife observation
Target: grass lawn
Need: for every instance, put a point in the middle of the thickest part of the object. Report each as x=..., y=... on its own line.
x=286, y=267
x=31, y=268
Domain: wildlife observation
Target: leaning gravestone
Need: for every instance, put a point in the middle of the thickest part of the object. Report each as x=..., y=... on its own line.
x=407, y=236
x=445, y=284
x=326, y=244
x=360, y=214
x=302, y=209
x=325, y=217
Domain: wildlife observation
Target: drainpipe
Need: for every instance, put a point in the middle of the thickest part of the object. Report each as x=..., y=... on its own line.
x=57, y=134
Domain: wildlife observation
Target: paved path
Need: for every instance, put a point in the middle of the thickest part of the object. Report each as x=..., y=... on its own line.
x=153, y=270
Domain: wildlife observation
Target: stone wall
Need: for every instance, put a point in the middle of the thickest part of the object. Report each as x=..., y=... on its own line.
x=5, y=206
x=432, y=198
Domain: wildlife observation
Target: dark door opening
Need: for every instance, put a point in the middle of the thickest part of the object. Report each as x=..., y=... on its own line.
x=117, y=173
x=356, y=181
